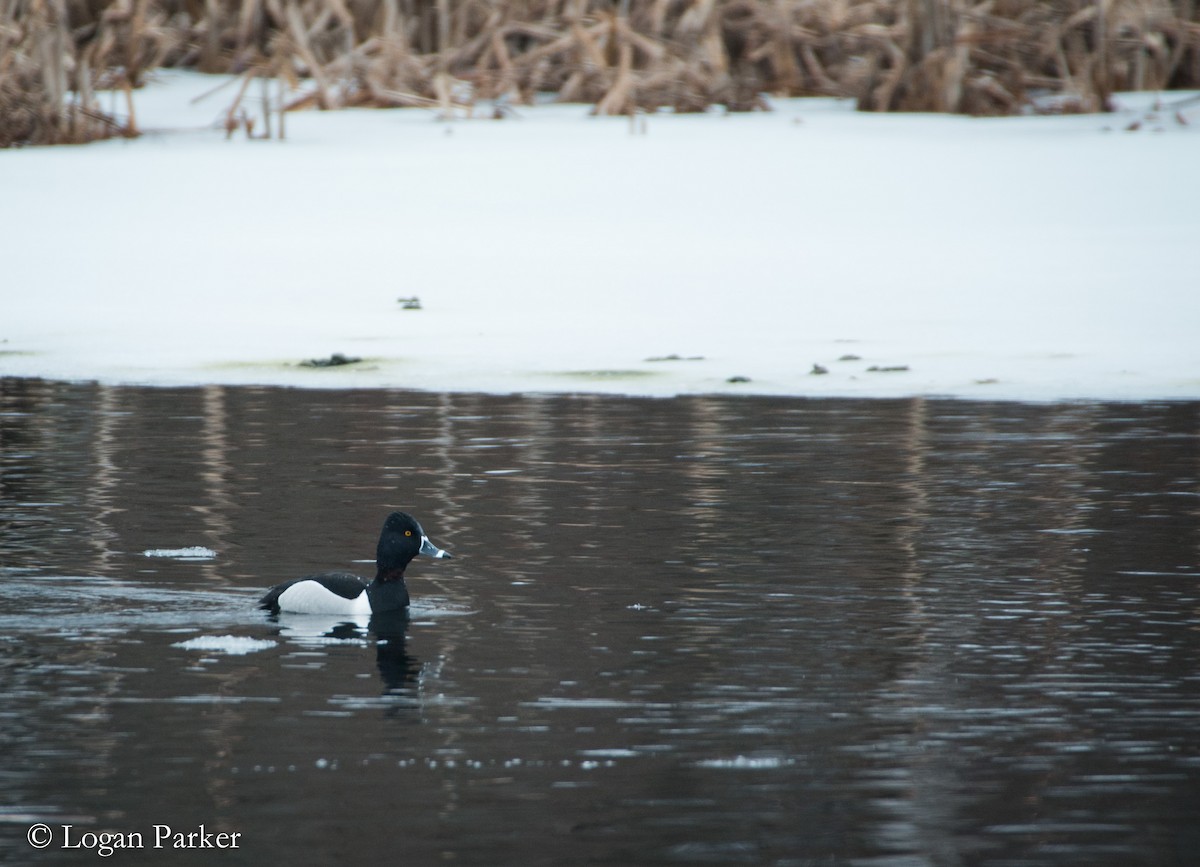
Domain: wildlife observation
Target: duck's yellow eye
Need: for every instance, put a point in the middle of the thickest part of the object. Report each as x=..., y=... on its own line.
x=408, y=532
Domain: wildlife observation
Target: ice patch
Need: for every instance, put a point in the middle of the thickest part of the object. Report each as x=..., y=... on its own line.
x=746, y=762
x=196, y=552
x=613, y=753
x=233, y=645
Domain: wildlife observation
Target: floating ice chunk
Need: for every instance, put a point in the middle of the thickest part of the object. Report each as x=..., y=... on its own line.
x=234, y=645
x=613, y=753
x=745, y=762
x=196, y=552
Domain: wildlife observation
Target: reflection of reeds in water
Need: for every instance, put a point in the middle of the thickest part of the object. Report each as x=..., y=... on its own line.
x=988, y=57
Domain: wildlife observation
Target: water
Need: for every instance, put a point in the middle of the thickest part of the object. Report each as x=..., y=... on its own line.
x=691, y=631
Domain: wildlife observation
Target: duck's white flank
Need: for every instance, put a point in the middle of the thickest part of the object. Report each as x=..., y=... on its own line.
x=309, y=597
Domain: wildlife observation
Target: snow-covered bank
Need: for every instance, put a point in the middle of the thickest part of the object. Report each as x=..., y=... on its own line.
x=1028, y=258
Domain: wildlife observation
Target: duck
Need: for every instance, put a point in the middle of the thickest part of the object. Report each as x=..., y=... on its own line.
x=400, y=541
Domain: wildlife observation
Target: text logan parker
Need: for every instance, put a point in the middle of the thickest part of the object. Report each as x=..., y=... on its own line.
x=158, y=837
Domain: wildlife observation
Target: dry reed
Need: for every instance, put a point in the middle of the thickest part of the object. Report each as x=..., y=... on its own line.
x=622, y=56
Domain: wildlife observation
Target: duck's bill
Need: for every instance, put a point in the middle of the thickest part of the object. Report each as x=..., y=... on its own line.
x=431, y=550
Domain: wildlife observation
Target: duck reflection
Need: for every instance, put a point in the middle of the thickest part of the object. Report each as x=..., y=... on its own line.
x=398, y=670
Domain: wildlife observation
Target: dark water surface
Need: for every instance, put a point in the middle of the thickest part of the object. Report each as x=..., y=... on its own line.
x=691, y=631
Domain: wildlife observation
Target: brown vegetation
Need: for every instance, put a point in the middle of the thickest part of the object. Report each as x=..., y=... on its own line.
x=985, y=57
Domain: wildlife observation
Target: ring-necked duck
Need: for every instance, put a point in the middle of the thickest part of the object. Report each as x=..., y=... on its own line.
x=343, y=593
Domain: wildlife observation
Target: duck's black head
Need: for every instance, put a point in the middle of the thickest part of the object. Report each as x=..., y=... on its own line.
x=401, y=540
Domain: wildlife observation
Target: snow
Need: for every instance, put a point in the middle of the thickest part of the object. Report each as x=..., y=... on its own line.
x=1033, y=258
